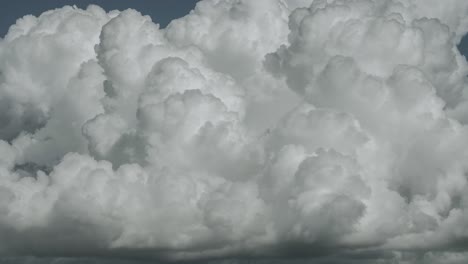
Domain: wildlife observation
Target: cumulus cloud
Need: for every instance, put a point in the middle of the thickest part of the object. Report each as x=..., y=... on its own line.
x=328, y=129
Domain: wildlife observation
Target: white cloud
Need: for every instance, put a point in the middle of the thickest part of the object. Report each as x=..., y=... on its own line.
x=243, y=128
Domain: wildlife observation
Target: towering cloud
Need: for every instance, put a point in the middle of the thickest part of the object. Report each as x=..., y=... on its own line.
x=329, y=129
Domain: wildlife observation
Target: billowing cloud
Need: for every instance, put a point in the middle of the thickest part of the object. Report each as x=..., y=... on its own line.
x=326, y=129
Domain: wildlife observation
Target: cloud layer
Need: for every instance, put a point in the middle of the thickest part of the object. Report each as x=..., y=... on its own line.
x=246, y=128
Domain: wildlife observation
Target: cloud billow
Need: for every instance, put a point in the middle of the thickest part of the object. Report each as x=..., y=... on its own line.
x=326, y=129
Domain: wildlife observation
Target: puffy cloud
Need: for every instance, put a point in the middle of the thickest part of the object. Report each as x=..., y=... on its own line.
x=328, y=129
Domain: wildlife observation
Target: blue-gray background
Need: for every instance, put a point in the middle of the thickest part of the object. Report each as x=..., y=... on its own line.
x=161, y=11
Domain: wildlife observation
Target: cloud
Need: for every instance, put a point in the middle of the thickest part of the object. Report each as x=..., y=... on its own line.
x=326, y=129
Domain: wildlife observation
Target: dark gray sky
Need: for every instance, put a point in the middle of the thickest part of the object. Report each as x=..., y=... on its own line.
x=463, y=46
x=161, y=11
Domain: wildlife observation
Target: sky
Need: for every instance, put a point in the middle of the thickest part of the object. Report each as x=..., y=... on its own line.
x=266, y=131
x=463, y=46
